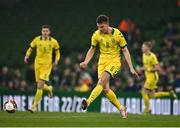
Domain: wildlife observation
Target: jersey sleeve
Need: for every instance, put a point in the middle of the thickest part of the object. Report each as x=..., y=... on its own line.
x=57, y=50
x=56, y=45
x=121, y=40
x=33, y=43
x=155, y=60
x=94, y=41
x=32, y=46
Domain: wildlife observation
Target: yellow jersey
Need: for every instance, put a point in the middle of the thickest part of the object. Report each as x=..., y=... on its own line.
x=149, y=61
x=109, y=44
x=44, y=50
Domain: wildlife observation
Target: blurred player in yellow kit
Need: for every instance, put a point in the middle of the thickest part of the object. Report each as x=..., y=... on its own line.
x=151, y=68
x=110, y=42
x=44, y=45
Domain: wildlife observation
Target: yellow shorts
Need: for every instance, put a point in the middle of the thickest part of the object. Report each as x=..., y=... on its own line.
x=112, y=66
x=151, y=81
x=42, y=72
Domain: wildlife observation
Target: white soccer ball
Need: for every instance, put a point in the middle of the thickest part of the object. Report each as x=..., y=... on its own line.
x=10, y=106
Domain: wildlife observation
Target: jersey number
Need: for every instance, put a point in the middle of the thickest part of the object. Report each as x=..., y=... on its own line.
x=107, y=45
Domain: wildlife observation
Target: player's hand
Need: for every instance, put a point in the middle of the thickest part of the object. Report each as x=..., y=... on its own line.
x=135, y=73
x=55, y=63
x=141, y=70
x=26, y=59
x=83, y=65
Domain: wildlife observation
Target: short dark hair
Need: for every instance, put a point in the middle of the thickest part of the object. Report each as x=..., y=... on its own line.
x=149, y=44
x=45, y=26
x=102, y=18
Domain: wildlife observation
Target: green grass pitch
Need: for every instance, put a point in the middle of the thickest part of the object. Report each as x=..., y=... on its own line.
x=47, y=119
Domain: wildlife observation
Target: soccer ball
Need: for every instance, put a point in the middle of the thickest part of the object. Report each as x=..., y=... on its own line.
x=10, y=106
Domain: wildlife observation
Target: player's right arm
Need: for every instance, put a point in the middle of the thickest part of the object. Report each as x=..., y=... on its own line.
x=29, y=51
x=89, y=56
x=90, y=52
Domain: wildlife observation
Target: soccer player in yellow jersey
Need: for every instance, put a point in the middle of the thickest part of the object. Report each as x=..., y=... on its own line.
x=110, y=41
x=151, y=68
x=44, y=45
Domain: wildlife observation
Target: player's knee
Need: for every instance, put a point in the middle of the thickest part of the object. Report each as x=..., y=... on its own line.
x=40, y=84
x=105, y=90
x=102, y=81
x=151, y=95
x=144, y=91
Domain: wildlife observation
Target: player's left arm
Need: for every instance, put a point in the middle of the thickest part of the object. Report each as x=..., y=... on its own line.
x=157, y=68
x=154, y=68
x=123, y=44
x=128, y=59
x=57, y=53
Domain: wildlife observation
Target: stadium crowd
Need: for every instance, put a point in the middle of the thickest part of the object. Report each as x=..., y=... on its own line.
x=68, y=76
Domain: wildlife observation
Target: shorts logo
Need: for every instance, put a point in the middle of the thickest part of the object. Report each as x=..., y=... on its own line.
x=112, y=68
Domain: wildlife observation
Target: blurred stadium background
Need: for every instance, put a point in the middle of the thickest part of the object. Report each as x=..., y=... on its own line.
x=73, y=23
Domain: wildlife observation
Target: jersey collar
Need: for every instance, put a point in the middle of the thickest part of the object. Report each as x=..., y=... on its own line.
x=112, y=32
x=49, y=38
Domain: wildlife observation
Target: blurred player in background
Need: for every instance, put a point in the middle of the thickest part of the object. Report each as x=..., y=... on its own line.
x=44, y=45
x=151, y=68
x=110, y=41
